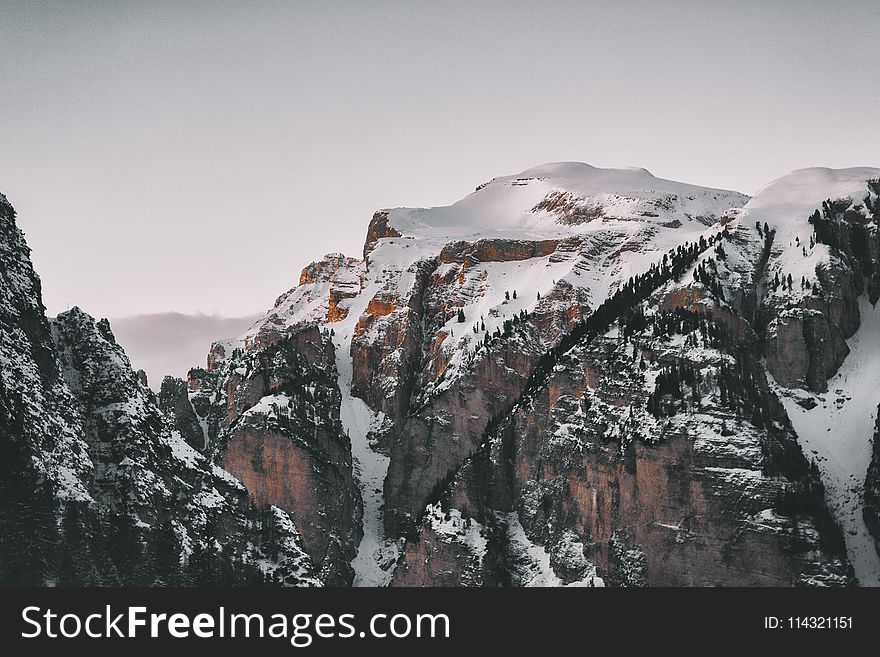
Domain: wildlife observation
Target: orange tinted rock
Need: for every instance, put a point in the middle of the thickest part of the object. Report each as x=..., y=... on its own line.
x=311, y=481
x=496, y=250
x=433, y=560
x=276, y=471
x=379, y=307
x=378, y=228
x=216, y=355
x=335, y=313
x=688, y=298
x=341, y=274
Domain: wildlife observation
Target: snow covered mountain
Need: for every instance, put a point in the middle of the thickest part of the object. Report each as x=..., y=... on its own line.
x=563, y=378
x=824, y=331
x=572, y=376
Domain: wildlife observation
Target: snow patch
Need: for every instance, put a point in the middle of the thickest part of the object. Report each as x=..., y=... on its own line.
x=535, y=568
x=375, y=559
x=837, y=434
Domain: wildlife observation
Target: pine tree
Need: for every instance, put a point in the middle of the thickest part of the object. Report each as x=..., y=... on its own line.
x=28, y=533
x=77, y=563
x=123, y=544
x=202, y=566
x=167, y=549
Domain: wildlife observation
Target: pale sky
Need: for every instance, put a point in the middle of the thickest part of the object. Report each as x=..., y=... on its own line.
x=194, y=157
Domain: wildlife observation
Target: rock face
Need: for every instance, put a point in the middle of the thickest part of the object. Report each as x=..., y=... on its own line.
x=378, y=229
x=696, y=504
x=833, y=251
x=588, y=474
x=386, y=347
x=567, y=381
x=270, y=409
x=174, y=403
x=872, y=489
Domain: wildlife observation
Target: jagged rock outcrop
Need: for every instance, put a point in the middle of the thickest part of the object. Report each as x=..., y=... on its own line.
x=806, y=339
x=450, y=550
x=386, y=346
x=378, y=229
x=699, y=505
x=502, y=471
x=174, y=402
x=271, y=410
x=589, y=467
x=455, y=418
x=98, y=486
x=830, y=247
x=42, y=449
x=872, y=488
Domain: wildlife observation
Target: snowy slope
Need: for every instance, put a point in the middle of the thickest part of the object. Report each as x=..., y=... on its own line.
x=634, y=220
x=786, y=205
x=837, y=434
x=641, y=217
x=532, y=561
x=506, y=206
x=376, y=556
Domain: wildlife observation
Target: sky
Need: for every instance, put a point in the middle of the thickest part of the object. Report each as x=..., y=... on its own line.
x=193, y=157
x=184, y=340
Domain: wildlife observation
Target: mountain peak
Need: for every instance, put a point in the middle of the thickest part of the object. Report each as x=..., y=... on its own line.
x=578, y=170
x=558, y=199
x=797, y=195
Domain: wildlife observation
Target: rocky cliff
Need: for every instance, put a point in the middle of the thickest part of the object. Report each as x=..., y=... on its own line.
x=872, y=488
x=584, y=376
x=571, y=377
x=98, y=487
x=271, y=412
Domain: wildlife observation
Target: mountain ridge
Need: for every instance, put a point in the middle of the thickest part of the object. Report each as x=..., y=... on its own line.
x=572, y=376
x=399, y=367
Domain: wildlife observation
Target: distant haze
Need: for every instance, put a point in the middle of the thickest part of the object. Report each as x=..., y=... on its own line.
x=172, y=343
x=194, y=156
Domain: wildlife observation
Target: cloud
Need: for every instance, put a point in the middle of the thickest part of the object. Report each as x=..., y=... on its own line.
x=172, y=343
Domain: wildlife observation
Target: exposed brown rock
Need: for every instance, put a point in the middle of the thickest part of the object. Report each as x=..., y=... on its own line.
x=216, y=355
x=804, y=349
x=311, y=481
x=496, y=250
x=569, y=209
x=434, y=560
x=378, y=228
x=438, y=438
x=292, y=453
x=337, y=271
